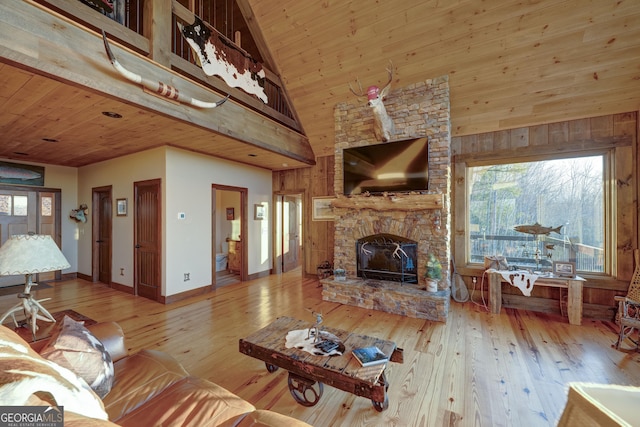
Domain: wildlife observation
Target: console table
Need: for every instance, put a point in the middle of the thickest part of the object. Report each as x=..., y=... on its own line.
x=573, y=286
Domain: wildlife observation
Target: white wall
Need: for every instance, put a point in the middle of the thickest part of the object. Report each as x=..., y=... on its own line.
x=120, y=174
x=188, y=241
x=66, y=179
x=187, y=180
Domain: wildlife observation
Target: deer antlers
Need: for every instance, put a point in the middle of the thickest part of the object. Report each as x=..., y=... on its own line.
x=384, y=90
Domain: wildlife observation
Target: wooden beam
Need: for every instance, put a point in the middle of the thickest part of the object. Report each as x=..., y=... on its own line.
x=157, y=28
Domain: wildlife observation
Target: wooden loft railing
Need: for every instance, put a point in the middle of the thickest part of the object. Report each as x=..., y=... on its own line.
x=141, y=30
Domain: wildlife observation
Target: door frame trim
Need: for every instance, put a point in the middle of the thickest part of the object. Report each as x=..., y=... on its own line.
x=244, y=229
x=277, y=237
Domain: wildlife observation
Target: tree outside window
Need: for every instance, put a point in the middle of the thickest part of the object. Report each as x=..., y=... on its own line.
x=564, y=194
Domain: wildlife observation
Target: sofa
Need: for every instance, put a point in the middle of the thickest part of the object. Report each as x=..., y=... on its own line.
x=146, y=388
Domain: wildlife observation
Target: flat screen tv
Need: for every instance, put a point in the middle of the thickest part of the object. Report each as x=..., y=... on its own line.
x=393, y=167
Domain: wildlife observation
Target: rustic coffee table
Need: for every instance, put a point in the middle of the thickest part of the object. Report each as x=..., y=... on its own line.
x=308, y=372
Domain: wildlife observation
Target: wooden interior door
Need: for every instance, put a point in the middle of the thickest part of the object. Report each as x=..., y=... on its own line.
x=148, y=239
x=292, y=230
x=102, y=231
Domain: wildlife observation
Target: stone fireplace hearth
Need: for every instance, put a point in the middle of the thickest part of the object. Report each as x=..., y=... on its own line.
x=421, y=217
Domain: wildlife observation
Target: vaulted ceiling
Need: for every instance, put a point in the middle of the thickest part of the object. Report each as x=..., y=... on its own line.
x=511, y=63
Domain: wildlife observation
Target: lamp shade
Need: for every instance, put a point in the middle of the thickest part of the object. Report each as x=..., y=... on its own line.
x=30, y=253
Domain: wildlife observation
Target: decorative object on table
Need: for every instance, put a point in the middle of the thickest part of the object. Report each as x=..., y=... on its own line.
x=433, y=273
x=28, y=254
x=368, y=356
x=155, y=87
x=564, y=269
x=303, y=340
x=325, y=269
x=80, y=214
x=495, y=262
x=383, y=126
x=537, y=229
x=340, y=274
x=628, y=314
x=521, y=279
x=314, y=331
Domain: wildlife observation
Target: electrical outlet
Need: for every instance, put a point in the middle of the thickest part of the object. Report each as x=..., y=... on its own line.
x=186, y=277
x=122, y=271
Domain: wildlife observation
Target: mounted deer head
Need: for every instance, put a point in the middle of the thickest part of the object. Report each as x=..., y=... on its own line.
x=382, y=124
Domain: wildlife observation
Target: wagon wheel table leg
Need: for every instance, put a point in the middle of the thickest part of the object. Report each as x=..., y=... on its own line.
x=381, y=406
x=305, y=391
x=271, y=368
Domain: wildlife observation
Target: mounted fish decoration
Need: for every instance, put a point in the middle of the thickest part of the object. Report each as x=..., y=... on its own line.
x=537, y=229
x=17, y=173
x=218, y=56
x=160, y=88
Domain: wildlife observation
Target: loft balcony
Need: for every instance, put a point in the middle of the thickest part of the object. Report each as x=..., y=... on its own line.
x=61, y=40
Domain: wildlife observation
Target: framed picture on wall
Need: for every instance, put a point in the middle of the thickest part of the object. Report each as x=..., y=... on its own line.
x=321, y=209
x=230, y=214
x=121, y=207
x=258, y=212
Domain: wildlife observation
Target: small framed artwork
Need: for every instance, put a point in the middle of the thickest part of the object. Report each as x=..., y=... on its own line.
x=230, y=214
x=121, y=207
x=258, y=212
x=564, y=268
x=322, y=210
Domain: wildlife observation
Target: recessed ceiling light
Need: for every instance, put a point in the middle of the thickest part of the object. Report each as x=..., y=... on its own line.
x=112, y=114
x=50, y=139
x=284, y=165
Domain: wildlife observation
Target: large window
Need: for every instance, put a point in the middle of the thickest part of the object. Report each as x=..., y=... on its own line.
x=564, y=197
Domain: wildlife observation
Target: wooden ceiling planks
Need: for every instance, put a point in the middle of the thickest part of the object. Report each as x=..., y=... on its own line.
x=510, y=64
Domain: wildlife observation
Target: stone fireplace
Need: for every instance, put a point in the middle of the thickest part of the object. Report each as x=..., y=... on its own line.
x=387, y=257
x=418, y=111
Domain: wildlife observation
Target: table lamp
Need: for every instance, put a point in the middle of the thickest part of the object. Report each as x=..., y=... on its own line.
x=28, y=254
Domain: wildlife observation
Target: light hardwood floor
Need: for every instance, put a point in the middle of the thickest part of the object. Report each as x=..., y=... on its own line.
x=478, y=369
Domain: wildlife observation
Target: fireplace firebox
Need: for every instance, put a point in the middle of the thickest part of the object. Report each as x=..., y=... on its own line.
x=387, y=257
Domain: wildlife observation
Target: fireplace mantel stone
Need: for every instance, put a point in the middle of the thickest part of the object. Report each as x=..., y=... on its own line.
x=391, y=297
x=399, y=202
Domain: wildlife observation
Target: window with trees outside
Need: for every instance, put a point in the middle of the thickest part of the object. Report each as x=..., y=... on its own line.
x=565, y=196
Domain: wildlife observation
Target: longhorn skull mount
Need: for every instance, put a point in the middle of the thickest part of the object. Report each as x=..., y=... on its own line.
x=160, y=88
x=383, y=126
